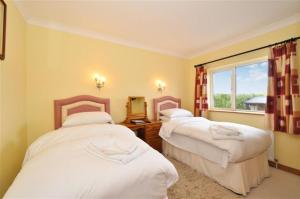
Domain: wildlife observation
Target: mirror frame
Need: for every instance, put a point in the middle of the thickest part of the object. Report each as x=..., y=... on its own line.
x=132, y=116
x=130, y=107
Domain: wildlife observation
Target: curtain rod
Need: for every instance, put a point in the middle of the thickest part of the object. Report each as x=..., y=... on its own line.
x=245, y=52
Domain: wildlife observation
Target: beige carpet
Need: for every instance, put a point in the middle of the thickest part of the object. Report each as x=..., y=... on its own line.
x=193, y=185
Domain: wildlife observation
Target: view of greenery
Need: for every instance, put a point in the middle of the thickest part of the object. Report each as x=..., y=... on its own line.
x=223, y=100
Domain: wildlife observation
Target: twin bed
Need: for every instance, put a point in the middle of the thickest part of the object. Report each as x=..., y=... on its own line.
x=238, y=162
x=88, y=156
x=91, y=158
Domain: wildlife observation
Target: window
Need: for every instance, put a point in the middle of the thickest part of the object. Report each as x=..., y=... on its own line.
x=222, y=89
x=241, y=87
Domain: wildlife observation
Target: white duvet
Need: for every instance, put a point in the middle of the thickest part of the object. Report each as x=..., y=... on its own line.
x=255, y=141
x=66, y=163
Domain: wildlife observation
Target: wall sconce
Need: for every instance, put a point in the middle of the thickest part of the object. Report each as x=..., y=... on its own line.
x=161, y=85
x=100, y=81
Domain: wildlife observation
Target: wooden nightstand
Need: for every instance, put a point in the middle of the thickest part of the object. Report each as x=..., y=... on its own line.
x=148, y=132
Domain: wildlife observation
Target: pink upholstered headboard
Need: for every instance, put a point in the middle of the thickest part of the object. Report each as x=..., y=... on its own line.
x=163, y=103
x=77, y=104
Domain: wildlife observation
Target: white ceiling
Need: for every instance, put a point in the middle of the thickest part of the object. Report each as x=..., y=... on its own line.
x=181, y=28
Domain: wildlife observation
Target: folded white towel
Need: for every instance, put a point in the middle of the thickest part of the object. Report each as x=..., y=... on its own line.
x=118, y=158
x=217, y=136
x=224, y=130
x=115, y=150
x=114, y=147
x=221, y=132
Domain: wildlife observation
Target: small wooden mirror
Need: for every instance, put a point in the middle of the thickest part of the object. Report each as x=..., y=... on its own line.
x=136, y=109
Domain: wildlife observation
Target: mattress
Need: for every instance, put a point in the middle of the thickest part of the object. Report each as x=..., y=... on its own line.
x=199, y=147
x=71, y=162
x=251, y=142
x=238, y=177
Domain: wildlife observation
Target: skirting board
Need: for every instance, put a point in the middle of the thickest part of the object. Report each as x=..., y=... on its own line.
x=285, y=168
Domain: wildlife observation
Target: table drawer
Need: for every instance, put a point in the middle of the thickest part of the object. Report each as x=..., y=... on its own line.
x=153, y=127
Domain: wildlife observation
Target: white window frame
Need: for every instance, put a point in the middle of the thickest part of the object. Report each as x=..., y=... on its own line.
x=232, y=68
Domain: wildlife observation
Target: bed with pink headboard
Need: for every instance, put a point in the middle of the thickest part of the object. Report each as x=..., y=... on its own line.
x=198, y=154
x=87, y=148
x=77, y=104
x=163, y=103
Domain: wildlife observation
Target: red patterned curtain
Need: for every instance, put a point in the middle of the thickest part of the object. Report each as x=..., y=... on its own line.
x=283, y=100
x=200, y=106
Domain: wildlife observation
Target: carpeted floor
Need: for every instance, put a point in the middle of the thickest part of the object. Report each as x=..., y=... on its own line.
x=193, y=185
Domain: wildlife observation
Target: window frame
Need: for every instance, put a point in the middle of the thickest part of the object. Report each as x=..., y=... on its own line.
x=230, y=67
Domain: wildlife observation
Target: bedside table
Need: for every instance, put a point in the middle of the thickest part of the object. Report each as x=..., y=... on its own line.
x=148, y=132
x=151, y=135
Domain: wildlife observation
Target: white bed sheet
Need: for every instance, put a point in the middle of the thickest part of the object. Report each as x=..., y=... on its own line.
x=255, y=141
x=58, y=165
x=198, y=147
x=238, y=177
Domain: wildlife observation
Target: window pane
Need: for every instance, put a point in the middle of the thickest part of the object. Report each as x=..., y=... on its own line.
x=222, y=89
x=251, y=86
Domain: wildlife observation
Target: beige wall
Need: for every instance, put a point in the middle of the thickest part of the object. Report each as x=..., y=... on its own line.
x=61, y=65
x=287, y=147
x=13, y=139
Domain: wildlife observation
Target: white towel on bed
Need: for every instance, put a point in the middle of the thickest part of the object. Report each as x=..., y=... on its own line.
x=114, y=147
x=222, y=132
x=116, y=150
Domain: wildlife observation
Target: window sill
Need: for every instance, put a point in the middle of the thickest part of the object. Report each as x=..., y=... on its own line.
x=239, y=112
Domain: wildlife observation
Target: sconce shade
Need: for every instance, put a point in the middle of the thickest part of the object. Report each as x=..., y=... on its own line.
x=161, y=85
x=100, y=80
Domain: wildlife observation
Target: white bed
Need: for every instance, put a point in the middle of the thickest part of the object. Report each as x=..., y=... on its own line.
x=198, y=147
x=237, y=165
x=66, y=163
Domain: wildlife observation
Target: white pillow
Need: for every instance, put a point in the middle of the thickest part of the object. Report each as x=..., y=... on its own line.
x=176, y=112
x=168, y=119
x=165, y=118
x=87, y=118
